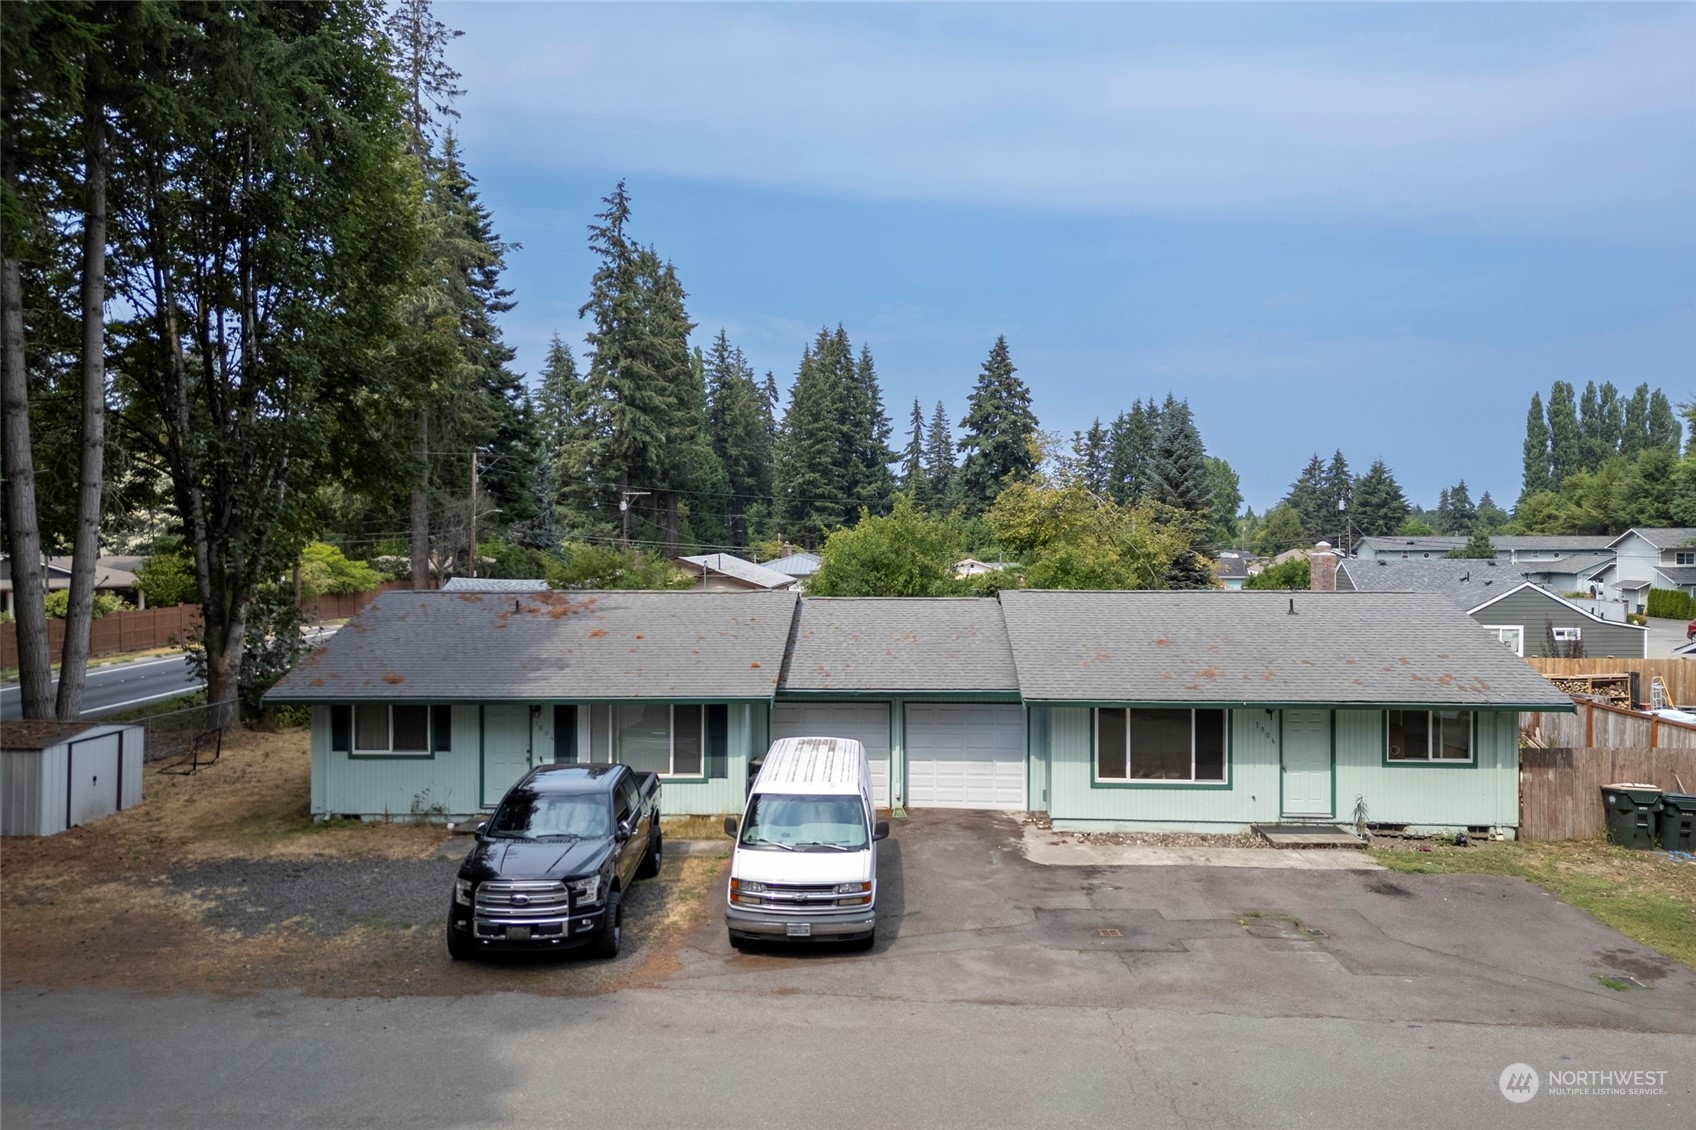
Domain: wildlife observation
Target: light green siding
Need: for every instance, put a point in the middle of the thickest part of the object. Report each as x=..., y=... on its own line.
x=1038, y=786
x=449, y=783
x=1485, y=793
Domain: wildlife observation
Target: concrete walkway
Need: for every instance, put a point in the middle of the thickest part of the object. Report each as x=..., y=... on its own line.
x=1056, y=849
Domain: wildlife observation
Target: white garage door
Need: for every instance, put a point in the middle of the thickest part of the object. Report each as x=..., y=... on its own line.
x=865, y=722
x=966, y=756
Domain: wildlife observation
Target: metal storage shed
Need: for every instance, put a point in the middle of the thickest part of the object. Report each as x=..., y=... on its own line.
x=56, y=775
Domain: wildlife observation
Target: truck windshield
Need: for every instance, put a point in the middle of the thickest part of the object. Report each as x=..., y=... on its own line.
x=529, y=815
x=805, y=823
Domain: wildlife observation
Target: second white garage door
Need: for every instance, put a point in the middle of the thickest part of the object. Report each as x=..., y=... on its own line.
x=961, y=756
x=866, y=723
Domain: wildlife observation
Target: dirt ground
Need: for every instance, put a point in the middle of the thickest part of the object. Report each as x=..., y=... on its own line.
x=221, y=882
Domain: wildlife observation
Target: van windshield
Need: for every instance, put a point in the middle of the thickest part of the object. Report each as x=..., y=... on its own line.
x=805, y=823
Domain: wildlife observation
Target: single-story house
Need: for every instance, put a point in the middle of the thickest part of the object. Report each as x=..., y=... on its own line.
x=791, y=564
x=972, y=567
x=115, y=575
x=726, y=572
x=1513, y=548
x=1496, y=594
x=1576, y=572
x=1662, y=558
x=1234, y=567
x=1105, y=710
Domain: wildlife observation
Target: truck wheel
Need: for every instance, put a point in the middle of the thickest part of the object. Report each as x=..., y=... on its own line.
x=612, y=926
x=651, y=861
x=458, y=947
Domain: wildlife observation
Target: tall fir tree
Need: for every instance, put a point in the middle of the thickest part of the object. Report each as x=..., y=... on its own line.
x=1634, y=427
x=1181, y=481
x=738, y=422
x=1566, y=447
x=1310, y=499
x=1339, y=501
x=1536, y=475
x=914, y=482
x=867, y=456
x=940, y=468
x=1095, y=457
x=1380, y=507
x=812, y=498
x=1131, y=442
x=1664, y=429
x=997, y=431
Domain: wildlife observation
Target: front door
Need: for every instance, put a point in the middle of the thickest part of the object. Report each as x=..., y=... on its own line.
x=506, y=749
x=1307, y=763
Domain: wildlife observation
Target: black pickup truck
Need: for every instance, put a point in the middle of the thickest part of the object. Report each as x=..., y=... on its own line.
x=551, y=866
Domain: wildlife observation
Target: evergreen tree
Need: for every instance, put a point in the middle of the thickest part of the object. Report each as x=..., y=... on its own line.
x=1094, y=453
x=1477, y=547
x=1310, y=498
x=1664, y=428
x=867, y=458
x=940, y=468
x=1131, y=443
x=1634, y=428
x=915, y=484
x=1610, y=419
x=1339, y=490
x=1379, y=505
x=1566, y=451
x=1490, y=516
x=1461, y=515
x=1225, y=490
x=1591, y=450
x=998, y=427
x=1536, y=476
x=738, y=423
x=1180, y=469
x=810, y=479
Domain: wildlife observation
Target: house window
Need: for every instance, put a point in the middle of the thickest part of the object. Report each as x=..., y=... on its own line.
x=1430, y=735
x=1159, y=745
x=1567, y=635
x=379, y=728
x=1511, y=635
x=651, y=736
x=1684, y=557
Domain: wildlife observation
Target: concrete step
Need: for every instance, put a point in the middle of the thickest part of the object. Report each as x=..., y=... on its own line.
x=1309, y=836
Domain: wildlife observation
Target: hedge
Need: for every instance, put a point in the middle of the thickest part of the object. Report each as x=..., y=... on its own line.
x=1670, y=604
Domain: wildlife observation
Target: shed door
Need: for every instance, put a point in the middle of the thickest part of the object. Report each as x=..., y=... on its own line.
x=94, y=778
x=1307, y=763
x=865, y=722
x=962, y=756
x=506, y=749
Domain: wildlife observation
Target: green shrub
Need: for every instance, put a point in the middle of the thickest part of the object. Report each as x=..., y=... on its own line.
x=1670, y=604
x=167, y=578
x=324, y=568
x=1296, y=573
x=59, y=604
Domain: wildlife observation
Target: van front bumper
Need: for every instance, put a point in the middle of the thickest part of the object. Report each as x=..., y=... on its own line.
x=821, y=927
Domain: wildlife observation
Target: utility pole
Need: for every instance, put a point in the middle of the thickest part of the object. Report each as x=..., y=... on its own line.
x=473, y=562
x=624, y=510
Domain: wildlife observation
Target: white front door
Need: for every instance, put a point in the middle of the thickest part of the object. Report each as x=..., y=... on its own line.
x=94, y=778
x=1307, y=763
x=865, y=722
x=506, y=749
x=966, y=756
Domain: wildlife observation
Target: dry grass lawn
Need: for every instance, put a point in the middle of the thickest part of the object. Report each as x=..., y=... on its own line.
x=96, y=905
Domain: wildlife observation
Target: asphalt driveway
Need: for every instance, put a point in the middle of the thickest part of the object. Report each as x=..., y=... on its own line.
x=965, y=916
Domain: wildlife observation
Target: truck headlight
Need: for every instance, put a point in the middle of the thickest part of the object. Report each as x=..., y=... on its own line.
x=462, y=891
x=586, y=890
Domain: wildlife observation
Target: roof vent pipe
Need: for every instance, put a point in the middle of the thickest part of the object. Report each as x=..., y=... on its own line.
x=1292, y=606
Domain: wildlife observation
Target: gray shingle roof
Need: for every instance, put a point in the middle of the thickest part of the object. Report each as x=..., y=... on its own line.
x=1577, y=543
x=494, y=584
x=1678, y=574
x=1432, y=543
x=856, y=644
x=1245, y=647
x=738, y=569
x=795, y=565
x=580, y=645
x=1581, y=563
x=1662, y=537
x=1466, y=583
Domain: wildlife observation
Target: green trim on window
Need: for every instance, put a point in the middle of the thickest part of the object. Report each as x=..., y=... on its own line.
x=1433, y=762
x=1096, y=782
x=1479, y=708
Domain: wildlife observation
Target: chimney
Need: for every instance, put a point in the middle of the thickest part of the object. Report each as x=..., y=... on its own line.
x=1323, y=565
x=787, y=550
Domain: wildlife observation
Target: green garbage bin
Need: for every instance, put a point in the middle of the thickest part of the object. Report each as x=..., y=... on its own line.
x=1631, y=814
x=1678, y=822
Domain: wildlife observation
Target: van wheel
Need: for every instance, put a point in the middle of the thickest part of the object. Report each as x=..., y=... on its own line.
x=736, y=943
x=651, y=862
x=612, y=927
x=867, y=943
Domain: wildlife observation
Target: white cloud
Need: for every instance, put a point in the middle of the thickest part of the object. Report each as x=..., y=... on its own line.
x=1589, y=117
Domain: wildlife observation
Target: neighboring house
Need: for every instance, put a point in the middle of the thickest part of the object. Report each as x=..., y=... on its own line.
x=801, y=566
x=972, y=567
x=1234, y=566
x=725, y=572
x=1574, y=573
x=494, y=584
x=1513, y=548
x=115, y=575
x=1199, y=710
x=1662, y=558
x=1500, y=598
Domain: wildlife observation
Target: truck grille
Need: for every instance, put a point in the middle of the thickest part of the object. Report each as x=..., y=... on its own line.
x=512, y=898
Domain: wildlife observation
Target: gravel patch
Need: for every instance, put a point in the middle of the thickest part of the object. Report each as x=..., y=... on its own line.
x=323, y=896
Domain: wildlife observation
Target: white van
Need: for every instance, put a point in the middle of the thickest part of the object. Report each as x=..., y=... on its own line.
x=805, y=863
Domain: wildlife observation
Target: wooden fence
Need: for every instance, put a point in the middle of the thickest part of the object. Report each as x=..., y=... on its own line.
x=1560, y=790
x=1679, y=675
x=141, y=629
x=1597, y=725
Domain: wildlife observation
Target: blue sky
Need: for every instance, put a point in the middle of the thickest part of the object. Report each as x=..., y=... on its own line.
x=1374, y=227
